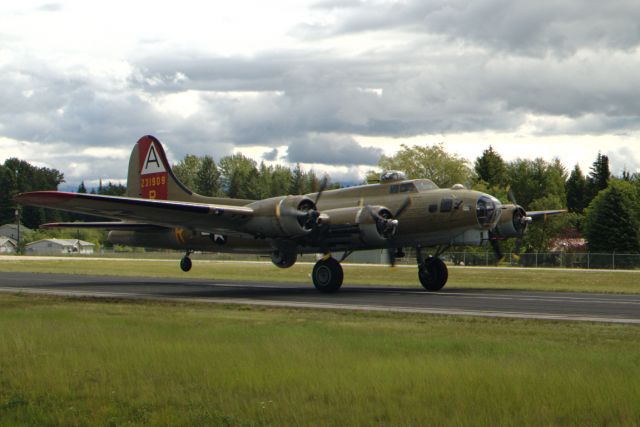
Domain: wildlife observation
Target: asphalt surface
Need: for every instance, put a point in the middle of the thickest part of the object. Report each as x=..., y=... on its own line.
x=470, y=302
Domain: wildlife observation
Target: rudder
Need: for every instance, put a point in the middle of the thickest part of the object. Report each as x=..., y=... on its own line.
x=150, y=175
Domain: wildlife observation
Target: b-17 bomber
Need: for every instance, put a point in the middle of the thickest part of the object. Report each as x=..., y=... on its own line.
x=159, y=211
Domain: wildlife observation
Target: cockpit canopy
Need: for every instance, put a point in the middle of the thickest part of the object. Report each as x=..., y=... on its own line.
x=392, y=176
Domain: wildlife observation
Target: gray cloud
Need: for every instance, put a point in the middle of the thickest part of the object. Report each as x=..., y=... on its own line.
x=533, y=28
x=332, y=150
x=50, y=7
x=560, y=67
x=271, y=155
x=623, y=159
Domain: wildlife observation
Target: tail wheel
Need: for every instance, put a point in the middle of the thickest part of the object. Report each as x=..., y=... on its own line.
x=433, y=274
x=185, y=263
x=327, y=275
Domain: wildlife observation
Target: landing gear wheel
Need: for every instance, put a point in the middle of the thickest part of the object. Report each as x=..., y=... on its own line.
x=327, y=275
x=185, y=263
x=433, y=274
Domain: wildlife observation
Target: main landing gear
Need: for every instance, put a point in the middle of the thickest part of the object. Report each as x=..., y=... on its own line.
x=185, y=262
x=327, y=275
x=432, y=272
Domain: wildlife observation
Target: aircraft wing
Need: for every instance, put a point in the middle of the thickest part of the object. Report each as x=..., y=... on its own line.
x=164, y=213
x=541, y=214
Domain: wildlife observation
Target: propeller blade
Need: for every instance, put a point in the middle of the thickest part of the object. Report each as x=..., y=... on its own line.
x=511, y=197
x=403, y=207
x=391, y=256
x=496, y=249
x=323, y=186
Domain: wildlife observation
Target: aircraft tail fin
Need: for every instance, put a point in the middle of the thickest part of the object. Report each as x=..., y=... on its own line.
x=150, y=175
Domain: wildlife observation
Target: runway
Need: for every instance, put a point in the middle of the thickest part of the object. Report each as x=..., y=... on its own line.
x=459, y=302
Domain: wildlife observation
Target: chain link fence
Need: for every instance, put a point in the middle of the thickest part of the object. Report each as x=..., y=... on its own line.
x=587, y=260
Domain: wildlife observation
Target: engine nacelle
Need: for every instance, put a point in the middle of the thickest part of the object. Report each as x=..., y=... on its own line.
x=290, y=216
x=512, y=223
x=375, y=224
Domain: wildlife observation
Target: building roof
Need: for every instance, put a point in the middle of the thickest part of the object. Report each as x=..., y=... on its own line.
x=64, y=242
x=14, y=227
x=4, y=240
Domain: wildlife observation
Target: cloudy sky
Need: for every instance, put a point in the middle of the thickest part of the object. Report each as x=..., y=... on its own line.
x=331, y=84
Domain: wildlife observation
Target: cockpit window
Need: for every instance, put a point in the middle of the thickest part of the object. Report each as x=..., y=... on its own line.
x=424, y=185
x=405, y=187
x=486, y=210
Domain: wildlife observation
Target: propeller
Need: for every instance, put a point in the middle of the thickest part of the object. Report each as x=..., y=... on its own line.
x=308, y=213
x=520, y=222
x=388, y=226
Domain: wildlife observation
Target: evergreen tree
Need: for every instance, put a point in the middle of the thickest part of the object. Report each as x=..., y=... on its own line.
x=207, y=179
x=490, y=168
x=598, y=178
x=81, y=188
x=112, y=189
x=8, y=189
x=264, y=181
x=20, y=176
x=280, y=180
x=239, y=176
x=576, y=187
x=297, y=181
x=611, y=222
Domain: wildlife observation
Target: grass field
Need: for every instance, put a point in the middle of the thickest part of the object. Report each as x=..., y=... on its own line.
x=466, y=277
x=71, y=362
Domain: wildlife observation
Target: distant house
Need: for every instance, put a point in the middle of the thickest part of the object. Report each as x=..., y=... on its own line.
x=11, y=230
x=7, y=245
x=59, y=246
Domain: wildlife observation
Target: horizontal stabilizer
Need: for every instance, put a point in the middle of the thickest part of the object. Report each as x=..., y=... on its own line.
x=163, y=213
x=107, y=225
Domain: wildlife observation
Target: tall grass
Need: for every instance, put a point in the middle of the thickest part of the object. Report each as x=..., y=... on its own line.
x=69, y=362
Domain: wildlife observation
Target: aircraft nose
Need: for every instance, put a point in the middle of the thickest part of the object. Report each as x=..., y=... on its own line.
x=488, y=210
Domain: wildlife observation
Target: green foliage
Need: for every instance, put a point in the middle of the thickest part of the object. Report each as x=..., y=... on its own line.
x=18, y=176
x=112, y=189
x=576, y=189
x=612, y=222
x=207, y=179
x=297, y=181
x=540, y=233
x=598, y=178
x=432, y=162
x=239, y=176
x=536, y=179
x=187, y=169
x=491, y=169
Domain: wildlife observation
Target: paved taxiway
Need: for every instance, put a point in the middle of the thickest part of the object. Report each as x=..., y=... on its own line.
x=474, y=302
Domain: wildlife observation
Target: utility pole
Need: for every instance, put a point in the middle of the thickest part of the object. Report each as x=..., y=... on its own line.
x=18, y=228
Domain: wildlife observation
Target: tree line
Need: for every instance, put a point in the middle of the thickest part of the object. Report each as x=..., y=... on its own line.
x=240, y=177
x=602, y=207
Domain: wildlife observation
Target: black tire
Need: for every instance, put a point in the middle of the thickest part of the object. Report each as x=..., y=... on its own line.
x=327, y=275
x=433, y=274
x=185, y=263
x=283, y=259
